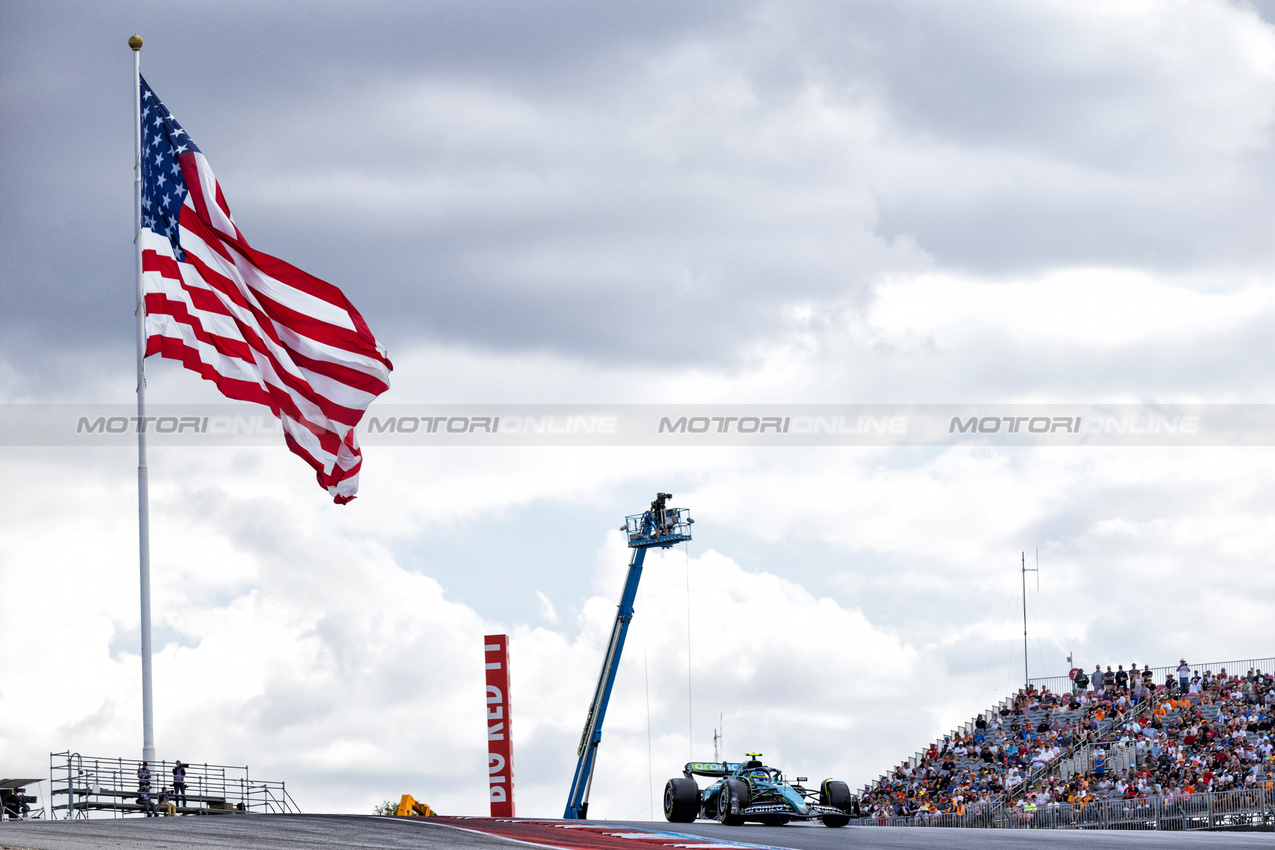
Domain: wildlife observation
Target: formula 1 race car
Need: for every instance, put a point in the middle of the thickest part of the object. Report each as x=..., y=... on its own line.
x=750, y=791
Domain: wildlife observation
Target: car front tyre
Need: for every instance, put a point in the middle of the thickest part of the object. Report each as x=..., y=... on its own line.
x=734, y=794
x=836, y=794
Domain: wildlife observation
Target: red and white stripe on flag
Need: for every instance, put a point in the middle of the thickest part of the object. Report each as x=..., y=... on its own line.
x=260, y=329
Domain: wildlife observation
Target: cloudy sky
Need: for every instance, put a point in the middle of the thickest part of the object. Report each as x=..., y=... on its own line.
x=654, y=202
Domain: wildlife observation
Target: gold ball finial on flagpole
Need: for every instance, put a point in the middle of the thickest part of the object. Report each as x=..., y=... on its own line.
x=135, y=42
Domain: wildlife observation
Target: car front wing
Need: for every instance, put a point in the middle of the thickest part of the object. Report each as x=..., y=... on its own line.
x=814, y=810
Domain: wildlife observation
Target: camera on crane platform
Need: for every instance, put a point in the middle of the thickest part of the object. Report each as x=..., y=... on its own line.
x=660, y=525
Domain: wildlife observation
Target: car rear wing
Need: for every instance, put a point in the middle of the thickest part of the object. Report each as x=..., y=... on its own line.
x=710, y=768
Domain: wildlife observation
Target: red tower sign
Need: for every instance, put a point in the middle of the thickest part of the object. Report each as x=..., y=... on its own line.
x=500, y=754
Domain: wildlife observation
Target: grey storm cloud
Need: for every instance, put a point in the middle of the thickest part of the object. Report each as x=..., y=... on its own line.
x=636, y=182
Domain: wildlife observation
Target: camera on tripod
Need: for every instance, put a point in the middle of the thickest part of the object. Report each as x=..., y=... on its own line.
x=15, y=802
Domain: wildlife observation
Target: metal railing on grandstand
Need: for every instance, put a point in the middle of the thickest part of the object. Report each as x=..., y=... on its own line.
x=1246, y=808
x=109, y=786
x=1119, y=758
x=1062, y=684
x=965, y=728
x=1119, y=752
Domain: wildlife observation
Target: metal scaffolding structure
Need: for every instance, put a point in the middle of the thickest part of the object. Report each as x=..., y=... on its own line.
x=91, y=784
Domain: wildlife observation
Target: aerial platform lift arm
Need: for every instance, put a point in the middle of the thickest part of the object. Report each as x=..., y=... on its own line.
x=661, y=527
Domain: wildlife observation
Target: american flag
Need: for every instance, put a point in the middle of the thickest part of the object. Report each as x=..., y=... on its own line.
x=261, y=330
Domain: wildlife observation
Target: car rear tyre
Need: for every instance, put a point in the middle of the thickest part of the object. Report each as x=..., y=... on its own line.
x=836, y=794
x=681, y=801
x=734, y=794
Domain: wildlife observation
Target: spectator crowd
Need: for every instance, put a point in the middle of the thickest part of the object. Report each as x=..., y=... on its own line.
x=1115, y=734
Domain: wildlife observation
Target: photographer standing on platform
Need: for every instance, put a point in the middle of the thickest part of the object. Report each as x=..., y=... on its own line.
x=179, y=783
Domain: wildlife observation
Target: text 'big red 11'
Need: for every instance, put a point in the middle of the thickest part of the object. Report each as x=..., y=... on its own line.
x=500, y=756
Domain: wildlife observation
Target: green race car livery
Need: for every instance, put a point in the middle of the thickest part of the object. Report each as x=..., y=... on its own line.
x=751, y=791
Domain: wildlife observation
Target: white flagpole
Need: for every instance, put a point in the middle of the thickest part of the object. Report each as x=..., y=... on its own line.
x=143, y=486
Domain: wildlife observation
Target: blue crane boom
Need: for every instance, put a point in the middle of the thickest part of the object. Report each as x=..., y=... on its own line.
x=662, y=527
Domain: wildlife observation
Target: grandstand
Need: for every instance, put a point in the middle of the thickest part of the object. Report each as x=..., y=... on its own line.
x=1156, y=751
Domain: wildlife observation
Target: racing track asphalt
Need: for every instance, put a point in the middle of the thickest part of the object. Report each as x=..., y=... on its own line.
x=291, y=832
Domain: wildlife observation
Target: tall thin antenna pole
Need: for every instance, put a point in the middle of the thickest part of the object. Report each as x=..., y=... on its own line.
x=1026, y=677
x=143, y=485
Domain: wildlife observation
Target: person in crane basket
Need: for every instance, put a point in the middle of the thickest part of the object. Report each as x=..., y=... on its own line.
x=654, y=521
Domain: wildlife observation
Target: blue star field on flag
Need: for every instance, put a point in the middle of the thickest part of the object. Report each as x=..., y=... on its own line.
x=163, y=187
